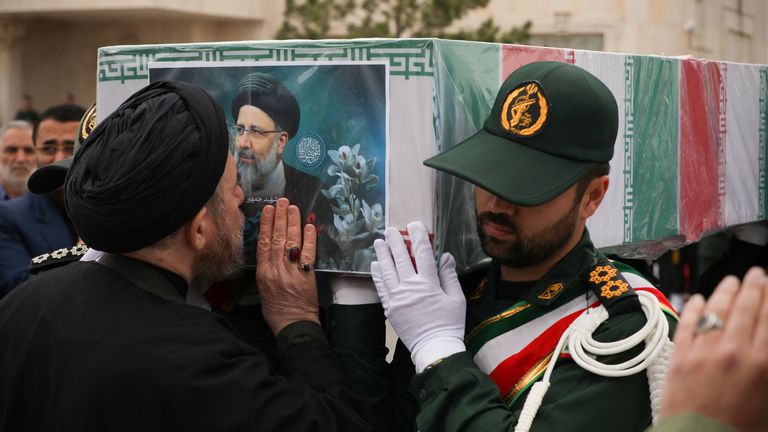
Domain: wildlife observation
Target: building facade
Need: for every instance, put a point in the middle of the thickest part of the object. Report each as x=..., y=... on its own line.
x=731, y=30
x=48, y=47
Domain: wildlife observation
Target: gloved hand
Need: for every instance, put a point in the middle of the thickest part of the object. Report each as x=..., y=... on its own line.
x=425, y=306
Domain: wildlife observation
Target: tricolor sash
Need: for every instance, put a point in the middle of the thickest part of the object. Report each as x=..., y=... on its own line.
x=514, y=347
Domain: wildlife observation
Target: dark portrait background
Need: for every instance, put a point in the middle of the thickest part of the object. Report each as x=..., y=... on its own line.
x=344, y=110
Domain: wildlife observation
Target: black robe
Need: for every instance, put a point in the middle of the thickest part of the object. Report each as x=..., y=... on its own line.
x=84, y=349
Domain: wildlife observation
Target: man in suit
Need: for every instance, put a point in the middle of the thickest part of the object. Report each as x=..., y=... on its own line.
x=17, y=158
x=34, y=224
x=29, y=226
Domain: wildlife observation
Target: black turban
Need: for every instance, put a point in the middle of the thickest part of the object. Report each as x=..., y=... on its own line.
x=148, y=168
x=271, y=96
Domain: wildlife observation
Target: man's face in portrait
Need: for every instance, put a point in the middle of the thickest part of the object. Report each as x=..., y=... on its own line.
x=260, y=146
x=17, y=157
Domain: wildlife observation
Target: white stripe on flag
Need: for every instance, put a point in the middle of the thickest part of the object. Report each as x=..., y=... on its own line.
x=501, y=347
x=742, y=143
x=636, y=281
x=607, y=225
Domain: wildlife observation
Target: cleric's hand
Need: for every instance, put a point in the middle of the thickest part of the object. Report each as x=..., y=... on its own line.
x=288, y=294
x=722, y=372
x=425, y=306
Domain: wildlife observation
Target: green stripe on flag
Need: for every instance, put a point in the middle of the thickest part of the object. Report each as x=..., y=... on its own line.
x=466, y=82
x=654, y=129
x=469, y=73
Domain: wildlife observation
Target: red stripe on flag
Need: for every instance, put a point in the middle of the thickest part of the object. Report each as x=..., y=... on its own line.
x=570, y=56
x=509, y=371
x=659, y=295
x=514, y=56
x=699, y=147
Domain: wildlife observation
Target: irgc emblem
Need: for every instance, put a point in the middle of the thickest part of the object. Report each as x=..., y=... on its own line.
x=525, y=110
x=88, y=124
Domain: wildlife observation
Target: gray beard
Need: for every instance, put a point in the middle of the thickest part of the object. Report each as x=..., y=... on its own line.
x=13, y=180
x=253, y=177
x=223, y=260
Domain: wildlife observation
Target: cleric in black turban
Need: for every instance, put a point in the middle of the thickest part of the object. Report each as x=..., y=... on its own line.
x=271, y=96
x=134, y=182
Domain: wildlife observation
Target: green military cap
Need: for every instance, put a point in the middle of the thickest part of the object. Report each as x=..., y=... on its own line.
x=50, y=177
x=551, y=122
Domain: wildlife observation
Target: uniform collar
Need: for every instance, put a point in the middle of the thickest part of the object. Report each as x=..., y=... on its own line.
x=558, y=279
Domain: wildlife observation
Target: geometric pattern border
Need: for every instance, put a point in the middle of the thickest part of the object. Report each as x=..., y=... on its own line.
x=406, y=58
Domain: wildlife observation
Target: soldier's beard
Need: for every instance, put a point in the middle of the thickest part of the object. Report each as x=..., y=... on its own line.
x=526, y=250
x=253, y=177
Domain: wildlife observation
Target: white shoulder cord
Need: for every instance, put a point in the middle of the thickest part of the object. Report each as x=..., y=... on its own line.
x=582, y=347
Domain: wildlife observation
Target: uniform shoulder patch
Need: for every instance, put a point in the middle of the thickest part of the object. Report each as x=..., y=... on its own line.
x=610, y=287
x=57, y=258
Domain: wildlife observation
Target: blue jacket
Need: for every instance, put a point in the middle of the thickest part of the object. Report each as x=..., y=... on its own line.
x=30, y=225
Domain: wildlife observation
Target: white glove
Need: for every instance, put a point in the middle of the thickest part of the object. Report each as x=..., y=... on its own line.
x=425, y=306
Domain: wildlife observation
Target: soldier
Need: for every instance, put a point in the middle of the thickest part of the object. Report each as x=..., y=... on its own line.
x=51, y=177
x=540, y=169
x=33, y=224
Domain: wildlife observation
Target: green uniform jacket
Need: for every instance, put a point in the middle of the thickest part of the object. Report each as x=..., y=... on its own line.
x=455, y=395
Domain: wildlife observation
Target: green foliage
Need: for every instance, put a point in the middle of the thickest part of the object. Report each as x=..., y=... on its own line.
x=319, y=19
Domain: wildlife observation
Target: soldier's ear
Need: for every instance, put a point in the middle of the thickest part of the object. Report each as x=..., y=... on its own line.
x=593, y=196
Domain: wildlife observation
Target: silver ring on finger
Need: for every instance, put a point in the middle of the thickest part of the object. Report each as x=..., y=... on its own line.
x=306, y=267
x=709, y=321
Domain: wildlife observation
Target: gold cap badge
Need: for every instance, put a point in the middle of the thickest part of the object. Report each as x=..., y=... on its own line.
x=88, y=124
x=525, y=110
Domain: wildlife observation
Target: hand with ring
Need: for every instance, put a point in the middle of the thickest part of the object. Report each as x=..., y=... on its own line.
x=288, y=289
x=719, y=367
